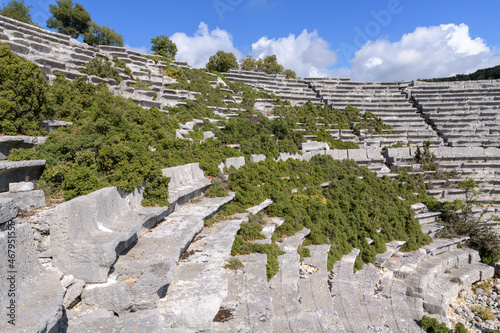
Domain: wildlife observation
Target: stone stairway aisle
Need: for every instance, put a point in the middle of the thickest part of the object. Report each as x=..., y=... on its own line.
x=199, y=284
x=365, y=284
x=352, y=315
x=290, y=314
x=248, y=303
x=314, y=290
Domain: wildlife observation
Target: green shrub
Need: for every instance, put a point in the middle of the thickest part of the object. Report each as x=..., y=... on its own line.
x=304, y=252
x=431, y=325
x=233, y=264
x=103, y=68
x=216, y=190
x=23, y=95
x=20, y=154
x=485, y=314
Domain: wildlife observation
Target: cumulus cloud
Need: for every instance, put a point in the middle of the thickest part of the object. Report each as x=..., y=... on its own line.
x=307, y=54
x=197, y=49
x=140, y=49
x=428, y=52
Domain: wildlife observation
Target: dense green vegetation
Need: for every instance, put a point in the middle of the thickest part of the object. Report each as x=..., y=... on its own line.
x=23, y=95
x=110, y=142
x=17, y=10
x=357, y=205
x=492, y=73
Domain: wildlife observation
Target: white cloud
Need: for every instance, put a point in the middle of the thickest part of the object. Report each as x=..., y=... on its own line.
x=428, y=52
x=140, y=49
x=196, y=50
x=307, y=54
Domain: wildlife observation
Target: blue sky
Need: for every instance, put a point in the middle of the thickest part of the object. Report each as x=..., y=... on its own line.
x=385, y=40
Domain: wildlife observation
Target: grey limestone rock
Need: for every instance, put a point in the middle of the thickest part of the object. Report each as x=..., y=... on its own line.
x=236, y=162
x=88, y=232
x=102, y=321
x=257, y=158
x=21, y=187
x=26, y=201
x=73, y=293
x=15, y=172
x=51, y=125
x=8, y=209
x=314, y=145
x=38, y=292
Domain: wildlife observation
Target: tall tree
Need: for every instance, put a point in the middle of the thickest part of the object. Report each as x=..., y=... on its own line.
x=163, y=46
x=102, y=35
x=222, y=62
x=69, y=19
x=17, y=10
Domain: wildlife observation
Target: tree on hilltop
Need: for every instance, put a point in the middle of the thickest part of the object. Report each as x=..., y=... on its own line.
x=222, y=62
x=163, y=46
x=268, y=65
x=68, y=19
x=17, y=10
x=102, y=35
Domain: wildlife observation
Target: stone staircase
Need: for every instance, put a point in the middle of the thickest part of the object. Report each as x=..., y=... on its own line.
x=464, y=113
x=385, y=101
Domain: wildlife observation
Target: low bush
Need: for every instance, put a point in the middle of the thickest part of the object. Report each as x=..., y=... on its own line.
x=216, y=190
x=101, y=66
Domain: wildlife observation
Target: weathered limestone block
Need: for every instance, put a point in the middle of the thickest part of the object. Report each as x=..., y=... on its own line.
x=21, y=187
x=257, y=158
x=73, y=293
x=88, y=232
x=38, y=292
x=15, y=172
x=236, y=162
x=359, y=155
x=186, y=181
x=286, y=156
x=208, y=135
x=197, y=289
x=314, y=145
x=248, y=298
x=26, y=201
x=51, y=125
x=395, y=155
x=112, y=295
x=103, y=321
x=8, y=209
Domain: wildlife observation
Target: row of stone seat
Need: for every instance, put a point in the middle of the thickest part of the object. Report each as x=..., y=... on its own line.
x=295, y=91
x=383, y=100
x=57, y=53
x=472, y=108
